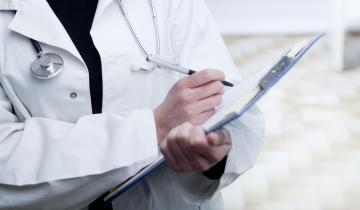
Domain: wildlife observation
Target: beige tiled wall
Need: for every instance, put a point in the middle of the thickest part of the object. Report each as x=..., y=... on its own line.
x=311, y=159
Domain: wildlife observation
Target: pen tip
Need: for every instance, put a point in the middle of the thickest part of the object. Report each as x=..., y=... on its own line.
x=229, y=84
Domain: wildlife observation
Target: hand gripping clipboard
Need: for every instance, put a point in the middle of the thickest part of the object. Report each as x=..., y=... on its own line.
x=283, y=65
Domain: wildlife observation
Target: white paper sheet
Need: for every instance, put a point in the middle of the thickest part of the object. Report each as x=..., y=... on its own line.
x=236, y=97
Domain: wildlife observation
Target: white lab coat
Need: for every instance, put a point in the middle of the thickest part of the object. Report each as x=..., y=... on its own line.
x=54, y=154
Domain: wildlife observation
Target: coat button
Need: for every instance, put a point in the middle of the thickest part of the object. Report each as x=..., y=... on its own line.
x=73, y=95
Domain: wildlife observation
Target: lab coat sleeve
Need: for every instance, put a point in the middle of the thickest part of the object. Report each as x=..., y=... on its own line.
x=69, y=194
x=197, y=43
x=45, y=160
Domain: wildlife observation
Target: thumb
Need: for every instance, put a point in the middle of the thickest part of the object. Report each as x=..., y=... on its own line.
x=217, y=138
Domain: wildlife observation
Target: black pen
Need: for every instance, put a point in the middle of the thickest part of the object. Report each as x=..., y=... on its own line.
x=179, y=68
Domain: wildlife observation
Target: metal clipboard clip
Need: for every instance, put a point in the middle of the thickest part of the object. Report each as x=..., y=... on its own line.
x=287, y=61
x=278, y=71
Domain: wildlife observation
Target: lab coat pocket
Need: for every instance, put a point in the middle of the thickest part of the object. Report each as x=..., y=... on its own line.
x=125, y=86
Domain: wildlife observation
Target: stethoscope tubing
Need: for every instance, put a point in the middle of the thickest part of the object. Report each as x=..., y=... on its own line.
x=44, y=72
x=37, y=47
x=136, y=36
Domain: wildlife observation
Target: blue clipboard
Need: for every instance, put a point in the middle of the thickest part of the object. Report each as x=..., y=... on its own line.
x=286, y=62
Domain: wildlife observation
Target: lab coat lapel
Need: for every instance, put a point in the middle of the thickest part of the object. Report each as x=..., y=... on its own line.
x=35, y=19
x=102, y=5
x=8, y=4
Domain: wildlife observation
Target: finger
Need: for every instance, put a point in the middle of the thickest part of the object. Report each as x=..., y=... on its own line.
x=199, y=144
x=218, y=153
x=197, y=139
x=209, y=89
x=215, y=139
x=219, y=138
x=203, y=117
x=203, y=77
x=180, y=157
x=190, y=157
x=203, y=164
x=206, y=104
x=181, y=137
x=169, y=157
x=212, y=154
x=166, y=150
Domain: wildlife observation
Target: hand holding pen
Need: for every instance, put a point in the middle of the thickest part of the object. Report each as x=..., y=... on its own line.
x=170, y=66
x=192, y=99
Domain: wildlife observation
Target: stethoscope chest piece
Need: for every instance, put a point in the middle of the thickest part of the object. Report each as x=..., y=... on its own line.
x=47, y=66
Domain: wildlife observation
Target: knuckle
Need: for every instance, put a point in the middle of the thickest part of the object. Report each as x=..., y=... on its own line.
x=221, y=88
x=162, y=148
x=179, y=85
x=172, y=133
x=208, y=74
x=181, y=137
x=196, y=120
x=198, y=128
x=193, y=144
x=187, y=114
x=204, y=167
x=177, y=140
x=181, y=140
x=187, y=125
x=214, y=158
x=212, y=112
x=182, y=98
x=194, y=166
x=171, y=140
x=217, y=100
x=196, y=143
x=218, y=86
x=198, y=168
x=221, y=75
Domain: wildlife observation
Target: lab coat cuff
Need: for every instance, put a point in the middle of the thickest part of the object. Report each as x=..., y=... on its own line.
x=238, y=160
x=197, y=188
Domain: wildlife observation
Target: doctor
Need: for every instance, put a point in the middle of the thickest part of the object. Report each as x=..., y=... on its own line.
x=67, y=140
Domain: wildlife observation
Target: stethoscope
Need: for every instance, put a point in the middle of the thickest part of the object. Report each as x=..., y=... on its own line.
x=155, y=60
x=46, y=65
x=49, y=65
x=136, y=36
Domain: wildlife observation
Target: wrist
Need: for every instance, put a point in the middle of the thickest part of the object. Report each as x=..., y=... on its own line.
x=160, y=126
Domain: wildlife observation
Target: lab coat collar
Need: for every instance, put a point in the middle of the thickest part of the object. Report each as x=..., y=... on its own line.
x=102, y=5
x=35, y=19
x=8, y=4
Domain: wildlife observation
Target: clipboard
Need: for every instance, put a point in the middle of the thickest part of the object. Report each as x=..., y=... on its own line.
x=263, y=83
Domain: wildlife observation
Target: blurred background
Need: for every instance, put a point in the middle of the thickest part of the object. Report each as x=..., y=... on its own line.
x=311, y=158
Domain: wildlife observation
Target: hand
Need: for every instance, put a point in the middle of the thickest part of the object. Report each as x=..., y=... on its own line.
x=192, y=99
x=188, y=149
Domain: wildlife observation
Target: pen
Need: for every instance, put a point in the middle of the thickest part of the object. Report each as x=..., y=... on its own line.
x=178, y=68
